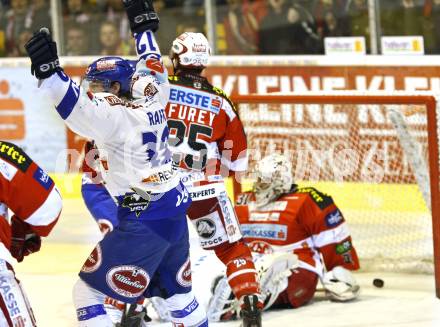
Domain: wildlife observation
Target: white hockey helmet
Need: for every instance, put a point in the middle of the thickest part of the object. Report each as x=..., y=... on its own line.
x=273, y=178
x=190, y=50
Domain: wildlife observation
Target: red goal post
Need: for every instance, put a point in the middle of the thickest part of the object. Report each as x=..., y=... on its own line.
x=254, y=105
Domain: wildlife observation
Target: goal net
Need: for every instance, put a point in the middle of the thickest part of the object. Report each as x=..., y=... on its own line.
x=377, y=155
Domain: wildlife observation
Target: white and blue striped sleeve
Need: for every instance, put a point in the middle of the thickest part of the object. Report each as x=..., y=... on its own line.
x=81, y=111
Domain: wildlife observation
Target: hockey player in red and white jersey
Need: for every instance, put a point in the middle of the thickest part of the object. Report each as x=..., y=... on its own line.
x=280, y=219
x=36, y=204
x=208, y=141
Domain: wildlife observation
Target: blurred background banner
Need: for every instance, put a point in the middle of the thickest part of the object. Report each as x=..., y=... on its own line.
x=29, y=120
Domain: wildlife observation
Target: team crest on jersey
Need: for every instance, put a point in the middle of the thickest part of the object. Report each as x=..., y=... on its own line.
x=150, y=91
x=183, y=276
x=135, y=203
x=261, y=247
x=205, y=228
x=129, y=281
x=94, y=261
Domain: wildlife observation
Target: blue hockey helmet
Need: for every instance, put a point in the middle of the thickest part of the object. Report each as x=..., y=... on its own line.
x=111, y=69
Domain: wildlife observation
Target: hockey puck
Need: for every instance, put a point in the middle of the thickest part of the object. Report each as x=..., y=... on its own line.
x=378, y=282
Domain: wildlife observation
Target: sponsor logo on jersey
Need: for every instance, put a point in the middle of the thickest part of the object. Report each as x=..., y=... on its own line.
x=94, y=261
x=202, y=193
x=196, y=98
x=224, y=205
x=274, y=206
x=90, y=312
x=43, y=178
x=205, y=228
x=334, y=218
x=264, y=216
x=321, y=199
x=135, y=203
x=211, y=242
x=16, y=156
x=183, y=276
x=186, y=311
x=129, y=281
x=8, y=296
x=265, y=231
x=7, y=170
x=343, y=247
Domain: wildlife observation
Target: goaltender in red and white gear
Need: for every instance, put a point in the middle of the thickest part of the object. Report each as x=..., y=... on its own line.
x=31, y=195
x=289, y=229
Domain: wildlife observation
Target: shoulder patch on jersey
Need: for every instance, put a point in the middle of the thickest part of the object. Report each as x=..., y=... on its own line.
x=43, y=179
x=321, y=199
x=113, y=100
x=222, y=93
x=15, y=155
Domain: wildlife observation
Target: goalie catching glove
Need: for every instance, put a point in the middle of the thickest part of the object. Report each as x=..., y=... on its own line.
x=141, y=15
x=340, y=285
x=43, y=53
x=24, y=240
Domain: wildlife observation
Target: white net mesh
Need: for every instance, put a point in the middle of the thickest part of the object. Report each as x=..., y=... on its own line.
x=355, y=154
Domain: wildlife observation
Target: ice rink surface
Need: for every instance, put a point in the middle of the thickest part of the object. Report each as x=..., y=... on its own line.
x=48, y=277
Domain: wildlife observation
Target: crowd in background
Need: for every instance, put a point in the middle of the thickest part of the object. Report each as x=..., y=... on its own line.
x=99, y=27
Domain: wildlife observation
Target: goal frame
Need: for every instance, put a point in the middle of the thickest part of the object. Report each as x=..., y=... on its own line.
x=345, y=97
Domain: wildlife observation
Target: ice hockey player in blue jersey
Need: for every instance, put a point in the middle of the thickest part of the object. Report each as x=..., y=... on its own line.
x=147, y=254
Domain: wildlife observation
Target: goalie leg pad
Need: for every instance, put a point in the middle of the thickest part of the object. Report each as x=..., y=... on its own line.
x=14, y=305
x=89, y=304
x=186, y=311
x=300, y=289
x=274, y=270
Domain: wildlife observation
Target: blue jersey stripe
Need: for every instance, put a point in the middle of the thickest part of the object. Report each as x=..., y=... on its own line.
x=69, y=101
x=90, y=312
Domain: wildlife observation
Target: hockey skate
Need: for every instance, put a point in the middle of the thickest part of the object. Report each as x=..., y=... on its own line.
x=133, y=318
x=251, y=311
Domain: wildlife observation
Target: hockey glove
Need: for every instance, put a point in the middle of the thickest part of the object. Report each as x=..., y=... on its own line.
x=340, y=285
x=141, y=15
x=24, y=240
x=43, y=53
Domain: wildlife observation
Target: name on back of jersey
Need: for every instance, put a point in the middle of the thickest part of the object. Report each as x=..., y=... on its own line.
x=195, y=98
